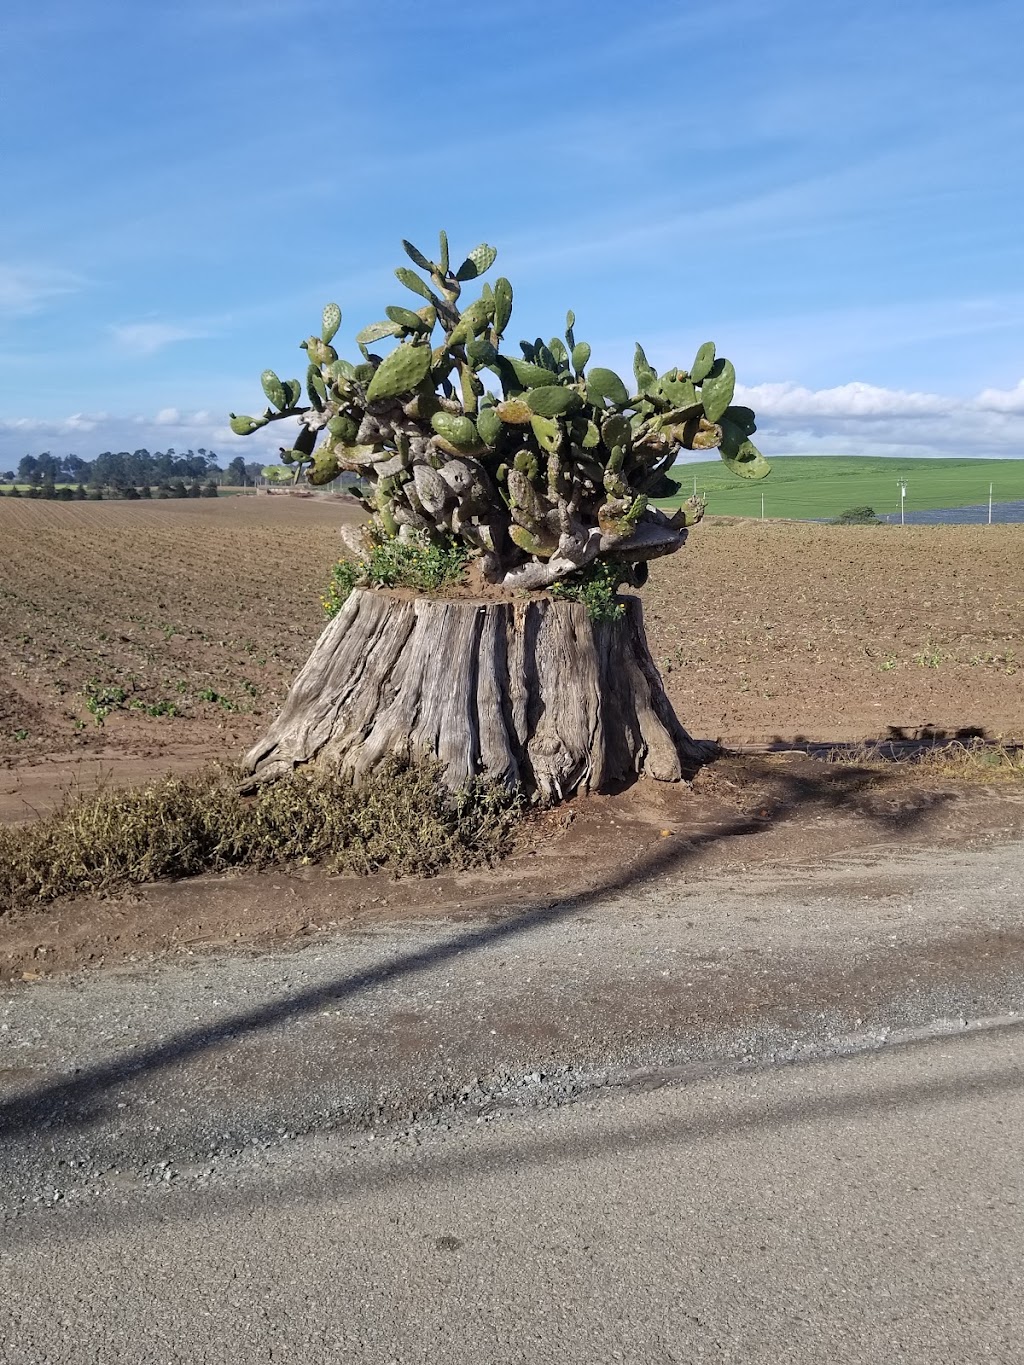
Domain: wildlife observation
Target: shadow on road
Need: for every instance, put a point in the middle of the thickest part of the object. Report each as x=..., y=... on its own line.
x=81, y=1100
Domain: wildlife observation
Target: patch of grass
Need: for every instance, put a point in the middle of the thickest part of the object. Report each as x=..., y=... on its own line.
x=344, y=577
x=596, y=587
x=405, y=820
x=423, y=565
x=972, y=761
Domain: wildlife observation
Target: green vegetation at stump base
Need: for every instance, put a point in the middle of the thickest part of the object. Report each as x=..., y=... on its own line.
x=596, y=587
x=405, y=820
x=421, y=565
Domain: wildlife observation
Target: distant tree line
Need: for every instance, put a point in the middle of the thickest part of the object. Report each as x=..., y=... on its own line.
x=123, y=470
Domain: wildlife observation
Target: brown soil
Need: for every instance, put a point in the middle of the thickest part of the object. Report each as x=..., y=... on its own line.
x=764, y=632
x=774, y=811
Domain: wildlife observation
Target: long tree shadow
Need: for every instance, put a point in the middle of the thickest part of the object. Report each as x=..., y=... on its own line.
x=78, y=1101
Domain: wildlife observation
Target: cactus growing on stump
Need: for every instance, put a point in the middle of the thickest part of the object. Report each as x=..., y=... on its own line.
x=537, y=478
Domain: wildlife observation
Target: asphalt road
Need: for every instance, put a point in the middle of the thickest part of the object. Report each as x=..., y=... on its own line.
x=859, y=1210
x=772, y=1117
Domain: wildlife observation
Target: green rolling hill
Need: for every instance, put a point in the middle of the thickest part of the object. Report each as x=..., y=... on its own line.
x=808, y=486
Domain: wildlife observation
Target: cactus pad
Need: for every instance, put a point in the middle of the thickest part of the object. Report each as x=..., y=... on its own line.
x=402, y=371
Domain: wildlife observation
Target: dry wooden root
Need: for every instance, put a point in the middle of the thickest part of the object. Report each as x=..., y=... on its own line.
x=531, y=692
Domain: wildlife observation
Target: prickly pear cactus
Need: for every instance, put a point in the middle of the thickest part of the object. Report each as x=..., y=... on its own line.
x=538, y=480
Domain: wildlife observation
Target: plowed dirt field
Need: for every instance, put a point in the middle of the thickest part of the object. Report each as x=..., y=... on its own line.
x=138, y=638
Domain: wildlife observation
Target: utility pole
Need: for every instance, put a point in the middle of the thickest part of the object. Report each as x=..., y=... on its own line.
x=990, y=504
x=903, y=495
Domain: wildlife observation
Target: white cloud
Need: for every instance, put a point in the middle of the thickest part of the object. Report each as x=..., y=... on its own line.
x=146, y=338
x=866, y=419
x=854, y=400
x=851, y=419
x=27, y=289
x=88, y=434
x=1003, y=400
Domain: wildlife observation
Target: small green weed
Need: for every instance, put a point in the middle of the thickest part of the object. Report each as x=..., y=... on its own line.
x=101, y=699
x=211, y=694
x=596, y=587
x=423, y=565
x=929, y=657
x=156, y=708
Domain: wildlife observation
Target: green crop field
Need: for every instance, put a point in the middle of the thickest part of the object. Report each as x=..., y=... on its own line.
x=826, y=485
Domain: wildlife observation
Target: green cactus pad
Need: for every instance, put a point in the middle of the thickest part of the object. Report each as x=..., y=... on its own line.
x=412, y=281
x=532, y=376
x=526, y=463
x=741, y=456
x=479, y=260
x=457, y=431
x=541, y=542
x=330, y=323
x=549, y=433
x=591, y=436
x=559, y=352
x=417, y=257
x=488, y=424
x=679, y=392
x=502, y=304
x=480, y=352
x=406, y=319
x=615, y=430
x=245, y=426
x=316, y=388
x=377, y=331
x=742, y=418
x=293, y=391
x=515, y=411
x=702, y=365
x=274, y=389
x=402, y=371
x=324, y=468
x=717, y=389
x=343, y=427
x=320, y=352
x=580, y=357
x=605, y=385
x=551, y=400
x=643, y=371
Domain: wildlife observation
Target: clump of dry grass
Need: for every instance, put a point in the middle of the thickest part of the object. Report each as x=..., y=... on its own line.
x=973, y=761
x=406, y=821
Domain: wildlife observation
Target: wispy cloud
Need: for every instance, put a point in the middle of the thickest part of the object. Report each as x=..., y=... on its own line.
x=146, y=338
x=26, y=289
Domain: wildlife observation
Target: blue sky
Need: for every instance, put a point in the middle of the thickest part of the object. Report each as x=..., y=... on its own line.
x=832, y=193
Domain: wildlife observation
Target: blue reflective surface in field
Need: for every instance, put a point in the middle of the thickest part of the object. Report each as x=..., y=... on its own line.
x=960, y=516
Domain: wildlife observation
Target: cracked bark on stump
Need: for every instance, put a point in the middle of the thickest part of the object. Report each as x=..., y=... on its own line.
x=530, y=691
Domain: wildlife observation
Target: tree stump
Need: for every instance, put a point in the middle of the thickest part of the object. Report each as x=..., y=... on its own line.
x=529, y=692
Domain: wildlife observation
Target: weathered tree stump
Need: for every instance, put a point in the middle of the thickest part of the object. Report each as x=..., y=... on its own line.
x=519, y=691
